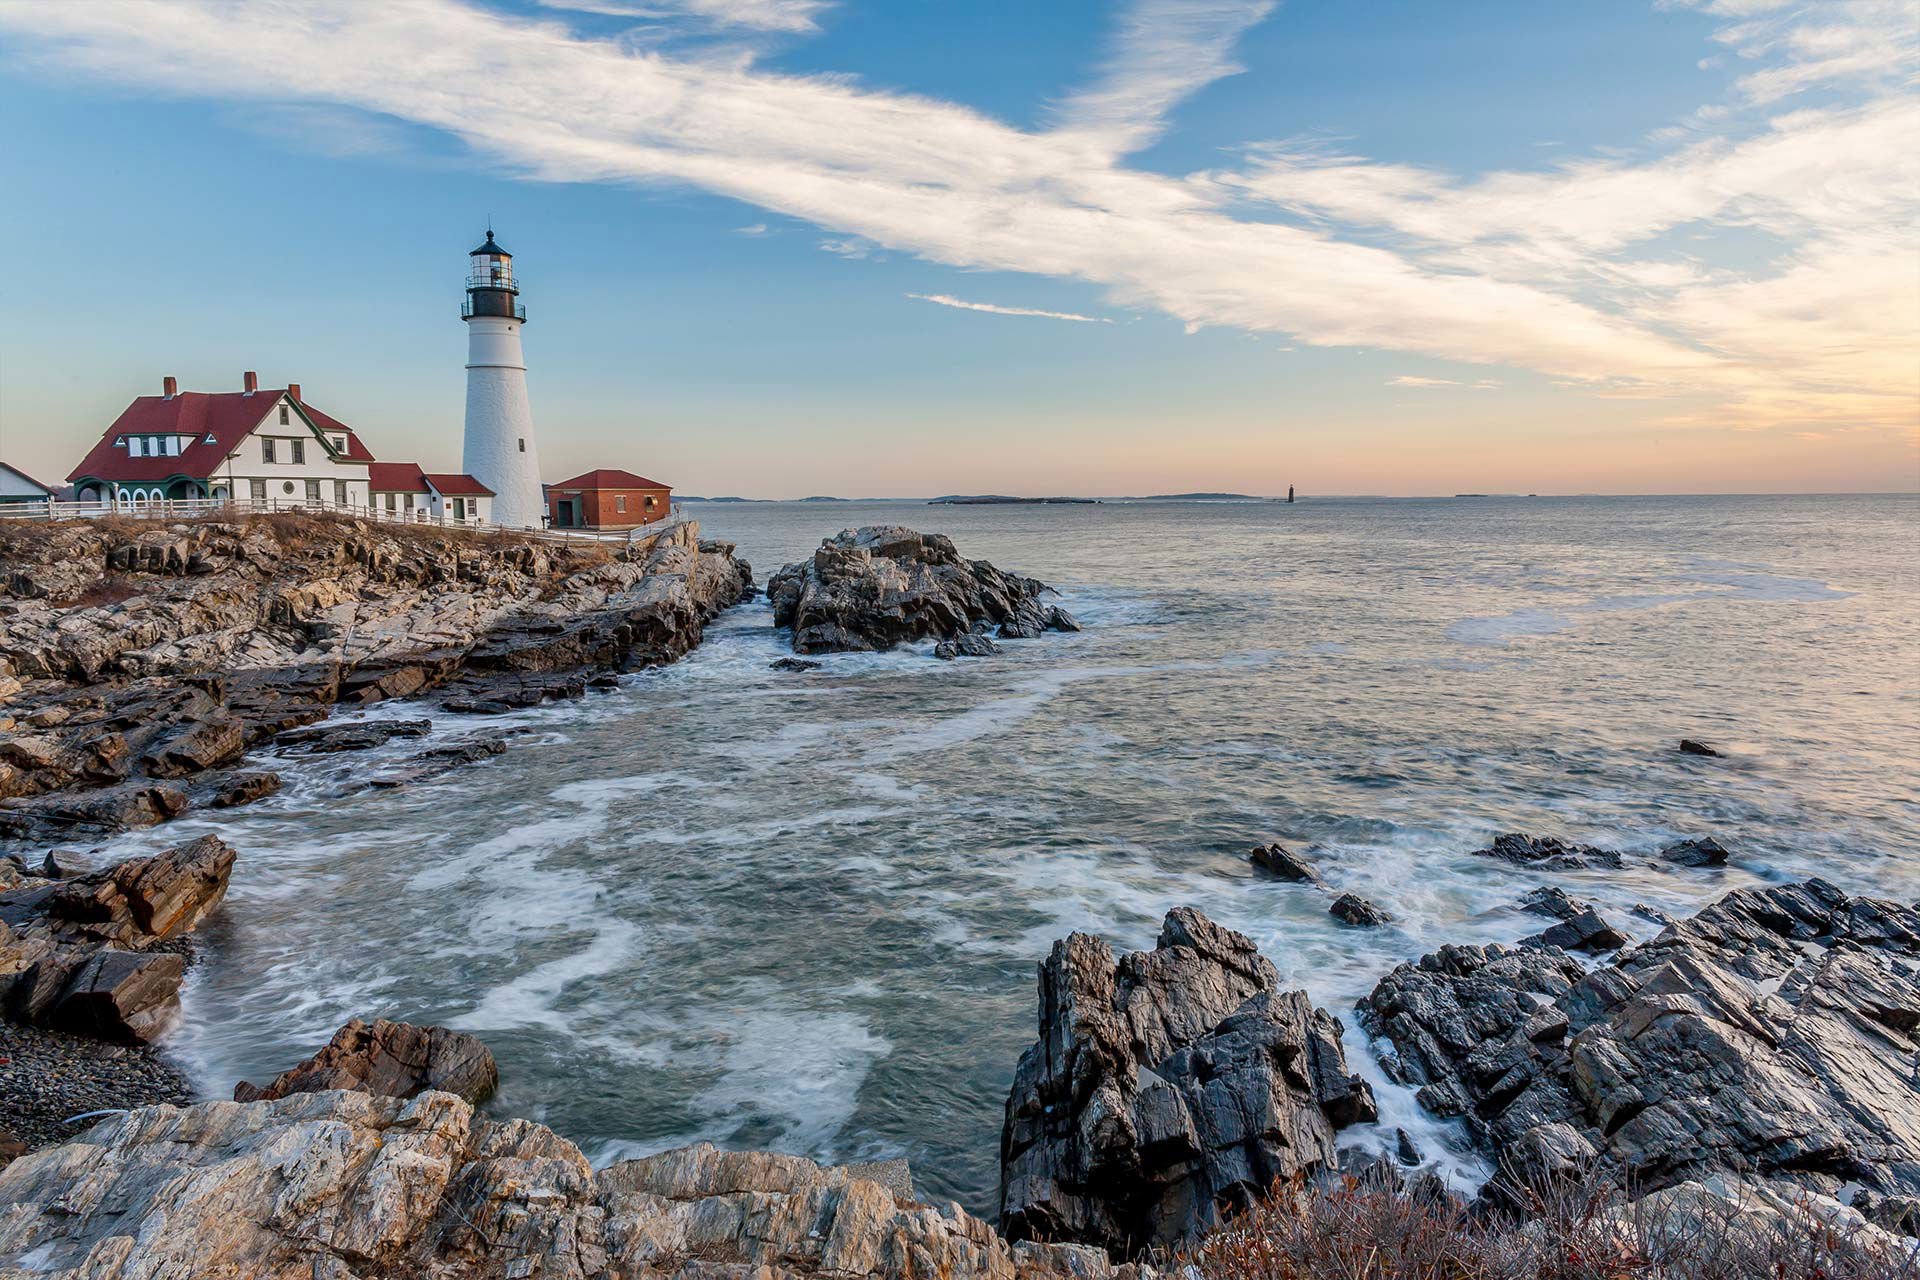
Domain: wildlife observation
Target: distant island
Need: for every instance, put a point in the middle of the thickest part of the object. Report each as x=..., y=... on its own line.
x=1001, y=499
x=1199, y=497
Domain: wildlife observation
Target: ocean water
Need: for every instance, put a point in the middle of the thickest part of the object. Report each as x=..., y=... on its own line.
x=804, y=911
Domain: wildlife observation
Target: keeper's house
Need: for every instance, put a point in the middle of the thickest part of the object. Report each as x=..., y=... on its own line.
x=607, y=499
x=403, y=489
x=259, y=443
x=17, y=486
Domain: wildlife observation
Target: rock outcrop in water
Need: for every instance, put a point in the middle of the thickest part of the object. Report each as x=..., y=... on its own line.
x=88, y=954
x=1165, y=1087
x=1770, y=1036
x=342, y=1185
x=133, y=662
x=392, y=1059
x=876, y=587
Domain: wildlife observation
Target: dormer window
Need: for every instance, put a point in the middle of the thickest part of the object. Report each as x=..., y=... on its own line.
x=285, y=417
x=340, y=444
x=133, y=447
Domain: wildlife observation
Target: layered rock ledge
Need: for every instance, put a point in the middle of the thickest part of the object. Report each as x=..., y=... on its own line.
x=876, y=587
x=341, y=1185
x=1770, y=1036
x=140, y=662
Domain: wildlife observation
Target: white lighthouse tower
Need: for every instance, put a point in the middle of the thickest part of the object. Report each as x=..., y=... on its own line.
x=499, y=449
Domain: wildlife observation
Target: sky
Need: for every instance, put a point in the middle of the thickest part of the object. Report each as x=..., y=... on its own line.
x=903, y=247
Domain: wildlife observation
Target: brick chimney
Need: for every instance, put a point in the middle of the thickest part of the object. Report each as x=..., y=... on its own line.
x=251, y=380
x=293, y=392
x=169, y=386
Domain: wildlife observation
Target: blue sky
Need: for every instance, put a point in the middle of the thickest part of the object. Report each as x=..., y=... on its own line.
x=1384, y=247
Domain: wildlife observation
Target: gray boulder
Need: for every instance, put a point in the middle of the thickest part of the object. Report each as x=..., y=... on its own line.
x=1351, y=908
x=1283, y=863
x=1165, y=1088
x=1548, y=853
x=875, y=587
x=1702, y=852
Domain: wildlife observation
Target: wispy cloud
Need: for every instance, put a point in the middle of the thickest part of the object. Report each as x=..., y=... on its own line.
x=1414, y=380
x=991, y=309
x=763, y=15
x=1576, y=270
x=752, y=229
x=1163, y=51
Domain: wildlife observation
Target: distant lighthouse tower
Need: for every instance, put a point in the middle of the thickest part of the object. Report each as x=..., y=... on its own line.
x=499, y=450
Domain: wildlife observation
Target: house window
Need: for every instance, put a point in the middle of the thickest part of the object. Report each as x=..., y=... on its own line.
x=299, y=452
x=286, y=486
x=284, y=418
x=266, y=449
x=340, y=492
x=620, y=502
x=153, y=445
x=391, y=504
x=651, y=502
x=133, y=447
x=257, y=490
x=313, y=491
x=340, y=443
x=523, y=444
x=409, y=501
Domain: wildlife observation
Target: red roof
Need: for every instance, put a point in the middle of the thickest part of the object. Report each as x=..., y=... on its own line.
x=610, y=478
x=227, y=417
x=396, y=477
x=458, y=486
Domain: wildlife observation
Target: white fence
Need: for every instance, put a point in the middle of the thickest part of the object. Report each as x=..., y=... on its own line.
x=190, y=508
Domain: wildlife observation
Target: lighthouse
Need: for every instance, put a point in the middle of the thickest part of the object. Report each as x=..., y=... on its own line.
x=499, y=450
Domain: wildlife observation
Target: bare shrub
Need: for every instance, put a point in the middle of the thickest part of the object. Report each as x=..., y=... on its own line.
x=1578, y=1229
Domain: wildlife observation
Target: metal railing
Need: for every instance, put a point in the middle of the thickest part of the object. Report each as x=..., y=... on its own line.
x=190, y=508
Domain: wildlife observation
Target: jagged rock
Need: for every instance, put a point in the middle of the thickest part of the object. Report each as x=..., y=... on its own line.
x=1585, y=930
x=342, y=1185
x=78, y=955
x=1278, y=860
x=1548, y=853
x=793, y=664
x=393, y=1059
x=1351, y=908
x=245, y=788
x=971, y=645
x=132, y=804
x=437, y=760
x=217, y=740
x=1405, y=1149
x=354, y=737
x=1166, y=1086
x=1549, y=900
x=1689, y=747
x=1771, y=1035
x=1703, y=852
x=876, y=587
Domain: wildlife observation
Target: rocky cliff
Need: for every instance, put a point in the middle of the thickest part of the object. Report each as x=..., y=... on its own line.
x=140, y=662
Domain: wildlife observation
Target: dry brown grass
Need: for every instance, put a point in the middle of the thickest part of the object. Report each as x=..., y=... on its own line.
x=1359, y=1230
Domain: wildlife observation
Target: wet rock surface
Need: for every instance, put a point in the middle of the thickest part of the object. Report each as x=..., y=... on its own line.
x=1279, y=861
x=1166, y=1086
x=1548, y=853
x=1351, y=908
x=1769, y=1036
x=137, y=676
x=89, y=954
x=876, y=587
x=392, y=1059
x=347, y=1186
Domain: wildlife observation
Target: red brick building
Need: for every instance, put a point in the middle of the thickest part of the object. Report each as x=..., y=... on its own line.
x=607, y=498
